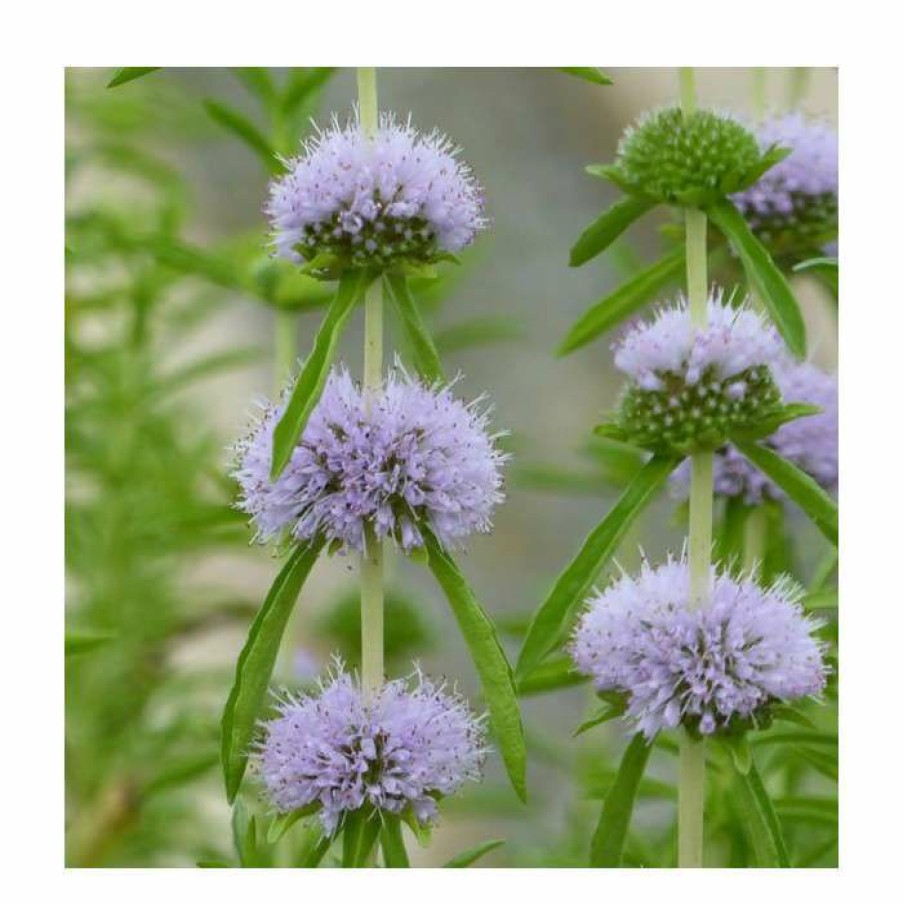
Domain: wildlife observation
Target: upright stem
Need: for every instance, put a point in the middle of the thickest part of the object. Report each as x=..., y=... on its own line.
x=691, y=791
x=286, y=346
x=371, y=565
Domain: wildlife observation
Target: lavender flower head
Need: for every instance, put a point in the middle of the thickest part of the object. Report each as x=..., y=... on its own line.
x=416, y=456
x=688, y=386
x=398, y=750
x=707, y=668
x=375, y=201
x=808, y=442
x=795, y=201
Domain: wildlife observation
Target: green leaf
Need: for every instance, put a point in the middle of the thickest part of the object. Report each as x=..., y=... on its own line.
x=309, y=384
x=608, y=713
x=611, y=832
x=815, y=502
x=822, y=600
x=281, y=824
x=491, y=664
x=468, y=857
x=549, y=675
x=242, y=127
x=570, y=589
x=303, y=84
x=258, y=81
x=625, y=301
x=183, y=771
x=78, y=643
x=827, y=264
x=359, y=835
x=762, y=823
x=426, y=358
x=730, y=538
x=601, y=233
x=129, y=74
x=786, y=713
x=212, y=864
x=588, y=74
x=763, y=275
x=774, y=420
x=737, y=746
x=392, y=842
x=255, y=664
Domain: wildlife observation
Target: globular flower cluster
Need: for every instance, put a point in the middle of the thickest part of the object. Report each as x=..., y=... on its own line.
x=413, y=456
x=690, y=160
x=689, y=387
x=712, y=668
x=375, y=201
x=398, y=750
x=795, y=203
x=809, y=442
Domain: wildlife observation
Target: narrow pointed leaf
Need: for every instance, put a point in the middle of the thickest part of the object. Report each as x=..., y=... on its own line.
x=815, y=502
x=359, y=837
x=242, y=127
x=601, y=233
x=588, y=74
x=392, y=843
x=609, y=713
x=570, y=589
x=309, y=384
x=763, y=275
x=550, y=675
x=129, y=74
x=77, y=643
x=426, y=358
x=624, y=302
x=762, y=822
x=468, y=857
x=490, y=661
x=255, y=664
x=611, y=833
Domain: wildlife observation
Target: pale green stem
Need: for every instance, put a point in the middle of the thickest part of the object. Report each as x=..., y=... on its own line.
x=759, y=92
x=754, y=535
x=286, y=347
x=691, y=794
x=797, y=86
x=371, y=565
x=690, y=802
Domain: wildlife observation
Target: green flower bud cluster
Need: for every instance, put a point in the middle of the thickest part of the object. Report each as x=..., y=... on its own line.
x=689, y=159
x=687, y=418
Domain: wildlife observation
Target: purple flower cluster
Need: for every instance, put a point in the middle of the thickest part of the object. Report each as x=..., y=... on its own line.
x=702, y=667
x=416, y=455
x=808, y=442
x=799, y=194
x=399, y=750
x=370, y=201
x=733, y=341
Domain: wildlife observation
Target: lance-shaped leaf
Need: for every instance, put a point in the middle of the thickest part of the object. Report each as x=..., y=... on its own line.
x=359, y=833
x=611, y=833
x=570, y=589
x=129, y=74
x=550, y=675
x=468, y=857
x=309, y=384
x=589, y=74
x=762, y=822
x=255, y=664
x=600, y=234
x=490, y=661
x=624, y=302
x=392, y=842
x=815, y=502
x=242, y=127
x=763, y=274
x=426, y=358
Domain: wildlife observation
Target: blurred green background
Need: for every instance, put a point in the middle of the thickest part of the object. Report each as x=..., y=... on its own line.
x=170, y=307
